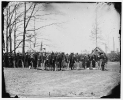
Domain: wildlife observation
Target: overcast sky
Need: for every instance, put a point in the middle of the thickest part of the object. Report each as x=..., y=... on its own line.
x=77, y=21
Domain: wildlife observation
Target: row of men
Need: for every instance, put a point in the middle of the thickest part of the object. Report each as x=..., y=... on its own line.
x=53, y=60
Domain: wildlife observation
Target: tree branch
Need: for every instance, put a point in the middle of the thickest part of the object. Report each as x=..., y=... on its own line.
x=45, y=26
x=30, y=16
x=17, y=46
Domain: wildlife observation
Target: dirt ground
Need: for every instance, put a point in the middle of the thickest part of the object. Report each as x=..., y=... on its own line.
x=87, y=83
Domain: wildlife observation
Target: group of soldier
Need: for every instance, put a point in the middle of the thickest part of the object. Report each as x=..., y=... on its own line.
x=54, y=61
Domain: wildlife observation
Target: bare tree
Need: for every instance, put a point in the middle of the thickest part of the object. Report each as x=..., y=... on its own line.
x=26, y=24
x=10, y=21
x=96, y=30
x=19, y=20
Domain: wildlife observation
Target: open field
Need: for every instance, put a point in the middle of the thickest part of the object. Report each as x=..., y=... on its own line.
x=26, y=82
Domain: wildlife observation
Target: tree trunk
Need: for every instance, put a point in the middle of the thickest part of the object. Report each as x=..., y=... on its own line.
x=7, y=32
x=15, y=35
x=23, y=49
x=10, y=38
x=34, y=34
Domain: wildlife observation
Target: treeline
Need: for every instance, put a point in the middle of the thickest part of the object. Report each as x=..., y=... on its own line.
x=113, y=56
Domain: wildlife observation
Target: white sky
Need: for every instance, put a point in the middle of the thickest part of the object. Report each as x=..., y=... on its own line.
x=74, y=34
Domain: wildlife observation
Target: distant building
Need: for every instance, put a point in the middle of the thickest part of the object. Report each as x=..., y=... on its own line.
x=97, y=51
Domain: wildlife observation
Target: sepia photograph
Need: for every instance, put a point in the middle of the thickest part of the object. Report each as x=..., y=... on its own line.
x=61, y=49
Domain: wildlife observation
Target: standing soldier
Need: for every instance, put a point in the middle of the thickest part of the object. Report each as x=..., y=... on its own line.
x=53, y=61
x=6, y=60
x=10, y=60
x=98, y=61
x=57, y=60
x=26, y=60
x=106, y=60
x=46, y=62
x=72, y=61
x=67, y=60
x=85, y=61
x=23, y=60
x=19, y=61
x=39, y=60
x=42, y=59
x=3, y=60
x=80, y=61
x=60, y=60
x=102, y=62
x=88, y=61
x=15, y=60
x=35, y=60
x=93, y=61
x=31, y=60
x=77, y=61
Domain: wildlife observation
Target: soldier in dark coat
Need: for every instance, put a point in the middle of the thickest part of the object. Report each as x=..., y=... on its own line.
x=35, y=60
x=103, y=62
x=72, y=61
x=85, y=61
x=39, y=60
x=53, y=58
x=19, y=62
x=98, y=61
x=60, y=57
x=10, y=60
x=49, y=61
x=46, y=62
x=80, y=61
x=44, y=59
x=6, y=60
x=15, y=60
x=67, y=60
x=26, y=60
x=57, y=60
x=88, y=61
x=3, y=60
x=93, y=61
x=31, y=60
